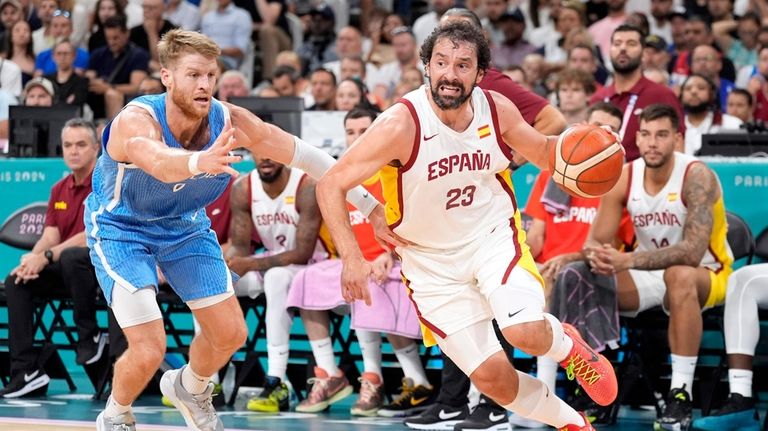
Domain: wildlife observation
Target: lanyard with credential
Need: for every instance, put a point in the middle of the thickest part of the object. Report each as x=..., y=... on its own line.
x=627, y=115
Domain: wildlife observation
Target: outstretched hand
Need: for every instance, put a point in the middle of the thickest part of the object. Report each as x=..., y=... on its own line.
x=217, y=160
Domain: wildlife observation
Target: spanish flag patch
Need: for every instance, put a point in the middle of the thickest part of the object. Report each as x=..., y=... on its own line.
x=290, y=200
x=484, y=131
x=671, y=197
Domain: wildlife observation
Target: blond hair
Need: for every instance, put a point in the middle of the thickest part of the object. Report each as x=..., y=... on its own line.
x=177, y=42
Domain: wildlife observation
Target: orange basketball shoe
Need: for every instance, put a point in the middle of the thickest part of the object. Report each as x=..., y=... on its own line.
x=572, y=427
x=592, y=370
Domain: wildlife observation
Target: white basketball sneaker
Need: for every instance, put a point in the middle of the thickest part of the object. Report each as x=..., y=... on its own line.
x=123, y=422
x=197, y=410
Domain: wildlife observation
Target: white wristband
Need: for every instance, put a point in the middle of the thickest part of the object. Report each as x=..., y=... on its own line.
x=192, y=163
x=316, y=162
x=362, y=200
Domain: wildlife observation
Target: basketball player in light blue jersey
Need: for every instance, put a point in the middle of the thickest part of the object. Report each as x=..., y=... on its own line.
x=165, y=158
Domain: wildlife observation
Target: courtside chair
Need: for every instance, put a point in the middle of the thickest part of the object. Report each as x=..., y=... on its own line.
x=740, y=238
x=21, y=230
x=761, y=245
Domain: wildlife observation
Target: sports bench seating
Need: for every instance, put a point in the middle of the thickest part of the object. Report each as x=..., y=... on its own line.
x=300, y=368
x=56, y=331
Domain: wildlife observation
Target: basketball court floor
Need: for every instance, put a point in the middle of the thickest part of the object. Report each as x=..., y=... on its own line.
x=62, y=410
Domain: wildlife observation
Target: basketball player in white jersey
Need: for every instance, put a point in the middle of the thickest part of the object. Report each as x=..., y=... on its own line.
x=445, y=149
x=280, y=203
x=682, y=261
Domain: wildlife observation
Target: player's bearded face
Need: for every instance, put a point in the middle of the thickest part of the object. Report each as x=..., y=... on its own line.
x=192, y=103
x=268, y=170
x=449, y=95
x=656, y=141
x=193, y=83
x=452, y=73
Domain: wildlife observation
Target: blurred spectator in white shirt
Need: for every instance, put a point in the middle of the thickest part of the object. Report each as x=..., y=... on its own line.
x=182, y=13
x=404, y=43
x=424, y=24
x=230, y=27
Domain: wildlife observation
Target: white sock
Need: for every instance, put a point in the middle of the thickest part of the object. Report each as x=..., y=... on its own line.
x=193, y=382
x=546, y=371
x=740, y=381
x=535, y=401
x=370, y=348
x=410, y=362
x=277, y=360
x=561, y=343
x=113, y=408
x=322, y=349
x=277, y=280
x=683, y=368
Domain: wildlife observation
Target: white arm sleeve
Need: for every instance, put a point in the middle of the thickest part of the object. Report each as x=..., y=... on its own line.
x=315, y=162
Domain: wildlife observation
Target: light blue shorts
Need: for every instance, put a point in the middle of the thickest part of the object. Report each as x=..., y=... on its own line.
x=193, y=265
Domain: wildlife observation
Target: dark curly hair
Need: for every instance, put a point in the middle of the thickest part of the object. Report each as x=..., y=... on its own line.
x=661, y=110
x=458, y=31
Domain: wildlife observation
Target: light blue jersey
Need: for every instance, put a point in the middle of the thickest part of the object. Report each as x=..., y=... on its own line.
x=129, y=197
x=135, y=221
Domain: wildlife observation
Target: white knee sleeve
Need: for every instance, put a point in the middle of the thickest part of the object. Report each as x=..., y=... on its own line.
x=134, y=308
x=521, y=300
x=471, y=346
x=747, y=291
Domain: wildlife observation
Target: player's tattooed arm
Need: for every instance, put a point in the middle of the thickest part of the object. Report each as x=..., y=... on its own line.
x=700, y=192
x=306, y=233
x=241, y=224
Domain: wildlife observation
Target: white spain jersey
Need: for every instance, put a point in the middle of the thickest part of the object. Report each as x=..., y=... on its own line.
x=456, y=187
x=659, y=220
x=275, y=220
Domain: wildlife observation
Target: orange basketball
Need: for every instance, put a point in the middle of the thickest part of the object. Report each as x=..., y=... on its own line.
x=586, y=161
